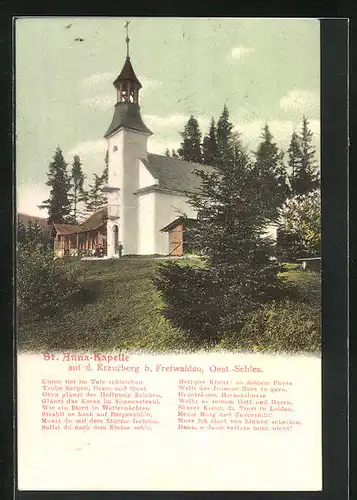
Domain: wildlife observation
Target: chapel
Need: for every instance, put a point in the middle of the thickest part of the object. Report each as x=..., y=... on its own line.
x=147, y=194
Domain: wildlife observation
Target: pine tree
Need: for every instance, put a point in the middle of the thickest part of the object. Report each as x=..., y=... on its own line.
x=238, y=275
x=58, y=204
x=174, y=154
x=294, y=161
x=305, y=177
x=191, y=142
x=78, y=194
x=270, y=177
x=167, y=152
x=224, y=133
x=96, y=198
x=105, y=173
x=209, y=145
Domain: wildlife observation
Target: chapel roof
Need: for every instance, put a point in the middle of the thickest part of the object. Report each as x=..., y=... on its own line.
x=127, y=115
x=95, y=221
x=127, y=74
x=174, y=174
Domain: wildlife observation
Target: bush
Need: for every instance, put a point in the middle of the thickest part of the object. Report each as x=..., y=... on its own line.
x=43, y=284
x=285, y=326
x=189, y=301
x=207, y=302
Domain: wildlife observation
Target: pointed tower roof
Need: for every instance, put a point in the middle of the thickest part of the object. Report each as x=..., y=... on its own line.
x=127, y=74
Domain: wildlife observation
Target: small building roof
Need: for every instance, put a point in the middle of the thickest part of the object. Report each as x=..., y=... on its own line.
x=179, y=220
x=95, y=221
x=174, y=174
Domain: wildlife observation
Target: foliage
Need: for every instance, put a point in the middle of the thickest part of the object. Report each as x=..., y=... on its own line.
x=78, y=194
x=209, y=145
x=304, y=176
x=286, y=326
x=270, y=173
x=119, y=310
x=300, y=226
x=239, y=275
x=224, y=133
x=58, y=204
x=190, y=149
x=95, y=197
x=32, y=234
x=44, y=285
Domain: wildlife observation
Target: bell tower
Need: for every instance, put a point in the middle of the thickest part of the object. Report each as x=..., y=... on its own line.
x=127, y=142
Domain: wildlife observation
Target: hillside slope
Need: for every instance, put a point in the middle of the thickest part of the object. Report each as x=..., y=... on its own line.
x=119, y=311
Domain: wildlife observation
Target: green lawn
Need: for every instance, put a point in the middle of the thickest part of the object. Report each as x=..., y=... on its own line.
x=120, y=312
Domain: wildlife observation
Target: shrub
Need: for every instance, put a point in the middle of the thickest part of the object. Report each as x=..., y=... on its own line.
x=284, y=326
x=189, y=301
x=43, y=284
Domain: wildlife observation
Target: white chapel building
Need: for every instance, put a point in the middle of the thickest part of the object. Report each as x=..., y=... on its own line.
x=146, y=193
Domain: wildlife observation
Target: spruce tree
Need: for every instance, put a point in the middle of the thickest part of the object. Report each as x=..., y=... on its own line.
x=224, y=133
x=294, y=160
x=237, y=275
x=95, y=197
x=58, y=204
x=190, y=149
x=270, y=177
x=78, y=194
x=306, y=176
x=167, y=152
x=209, y=145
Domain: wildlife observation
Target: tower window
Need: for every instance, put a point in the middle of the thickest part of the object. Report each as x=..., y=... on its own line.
x=115, y=148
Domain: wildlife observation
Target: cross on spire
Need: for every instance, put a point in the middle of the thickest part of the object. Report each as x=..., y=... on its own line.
x=127, y=39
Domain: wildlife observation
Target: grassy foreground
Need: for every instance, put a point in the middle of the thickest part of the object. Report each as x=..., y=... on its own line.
x=120, y=312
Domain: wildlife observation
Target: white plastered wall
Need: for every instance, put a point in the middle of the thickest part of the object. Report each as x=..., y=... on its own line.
x=147, y=223
x=125, y=148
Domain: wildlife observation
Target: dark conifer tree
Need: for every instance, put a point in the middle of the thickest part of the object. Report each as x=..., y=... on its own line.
x=78, y=194
x=209, y=145
x=294, y=160
x=95, y=197
x=58, y=204
x=190, y=149
x=270, y=177
x=224, y=133
x=238, y=275
x=305, y=176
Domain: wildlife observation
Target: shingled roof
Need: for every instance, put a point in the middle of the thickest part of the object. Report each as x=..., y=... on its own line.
x=95, y=221
x=174, y=174
x=127, y=74
x=127, y=115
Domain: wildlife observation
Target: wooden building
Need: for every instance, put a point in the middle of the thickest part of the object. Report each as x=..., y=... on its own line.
x=82, y=240
x=178, y=241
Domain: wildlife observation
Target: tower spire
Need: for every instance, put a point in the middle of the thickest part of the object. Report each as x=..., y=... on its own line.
x=127, y=39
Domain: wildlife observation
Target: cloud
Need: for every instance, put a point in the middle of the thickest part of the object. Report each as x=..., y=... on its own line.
x=29, y=196
x=299, y=100
x=240, y=52
x=173, y=123
x=103, y=102
x=92, y=82
x=89, y=147
x=159, y=147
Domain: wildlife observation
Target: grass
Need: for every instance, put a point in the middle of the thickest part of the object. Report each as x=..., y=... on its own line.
x=119, y=311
